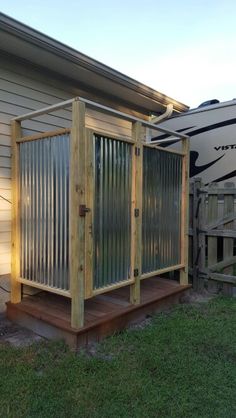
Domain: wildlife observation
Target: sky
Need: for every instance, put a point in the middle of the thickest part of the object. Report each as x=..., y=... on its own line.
x=184, y=49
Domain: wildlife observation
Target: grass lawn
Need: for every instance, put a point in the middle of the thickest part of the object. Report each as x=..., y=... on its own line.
x=183, y=364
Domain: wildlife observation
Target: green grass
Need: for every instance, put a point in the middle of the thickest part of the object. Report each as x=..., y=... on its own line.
x=183, y=364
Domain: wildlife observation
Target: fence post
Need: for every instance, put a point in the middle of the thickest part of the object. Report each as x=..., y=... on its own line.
x=190, y=238
x=196, y=248
x=202, y=239
x=199, y=237
x=185, y=213
x=212, y=241
x=77, y=223
x=15, y=261
x=228, y=243
x=136, y=216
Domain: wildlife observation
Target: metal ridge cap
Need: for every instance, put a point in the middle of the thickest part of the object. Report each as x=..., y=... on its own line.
x=50, y=44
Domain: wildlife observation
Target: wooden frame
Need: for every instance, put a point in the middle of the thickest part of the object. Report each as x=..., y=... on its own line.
x=136, y=222
x=15, y=261
x=136, y=225
x=77, y=223
x=172, y=151
x=90, y=193
x=82, y=173
x=41, y=286
x=162, y=271
x=42, y=135
x=106, y=134
x=183, y=266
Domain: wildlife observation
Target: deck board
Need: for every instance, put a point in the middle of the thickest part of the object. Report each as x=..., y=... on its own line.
x=49, y=314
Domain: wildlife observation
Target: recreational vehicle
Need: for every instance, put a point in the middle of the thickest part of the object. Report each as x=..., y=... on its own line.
x=212, y=131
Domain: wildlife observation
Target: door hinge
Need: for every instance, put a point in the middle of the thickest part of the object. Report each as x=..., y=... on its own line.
x=137, y=151
x=83, y=210
x=136, y=213
x=136, y=272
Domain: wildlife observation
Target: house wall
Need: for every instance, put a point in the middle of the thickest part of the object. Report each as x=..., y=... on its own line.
x=23, y=89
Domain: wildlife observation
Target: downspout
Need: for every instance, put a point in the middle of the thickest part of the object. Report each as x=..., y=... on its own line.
x=168, y=112
x=156, y=119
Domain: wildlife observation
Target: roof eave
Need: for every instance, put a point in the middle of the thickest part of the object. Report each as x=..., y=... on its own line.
x=63, y=51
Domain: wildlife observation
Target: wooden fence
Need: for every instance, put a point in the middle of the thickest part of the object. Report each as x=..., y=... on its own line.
x=212, y=234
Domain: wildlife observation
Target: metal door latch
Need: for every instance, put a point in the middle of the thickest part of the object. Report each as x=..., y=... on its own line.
x=83, y=210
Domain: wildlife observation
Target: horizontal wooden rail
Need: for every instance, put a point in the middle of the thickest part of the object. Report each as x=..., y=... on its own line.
x=172, y=151
x=130, y=118
x=226, y=233
x=112, y=287
x=44, y=287
x=177, y=135
x=221, y=221
x=43, y=135
x=109, y=135
x=224, y=278
x=214, y=192
x=162, y=271
x=222, y=264
x=219, y=191
x=45, y=110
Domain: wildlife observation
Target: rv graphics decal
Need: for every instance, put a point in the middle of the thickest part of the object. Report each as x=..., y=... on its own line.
x=213, y=126
x=165, y=136
x=197, y=131
x=225, y=147
x=225, y=177
x=194, y=169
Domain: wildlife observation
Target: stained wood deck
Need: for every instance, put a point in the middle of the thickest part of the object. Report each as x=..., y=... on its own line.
x=48, y=314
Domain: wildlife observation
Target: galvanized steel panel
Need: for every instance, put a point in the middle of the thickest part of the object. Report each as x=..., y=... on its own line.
x=112, y=211
x=44, y=211
x=161, y=216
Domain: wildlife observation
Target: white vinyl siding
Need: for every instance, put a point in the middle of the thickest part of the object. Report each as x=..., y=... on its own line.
x=23, y=90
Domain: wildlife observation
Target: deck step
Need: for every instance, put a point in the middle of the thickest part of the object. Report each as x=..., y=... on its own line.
x=48, y=315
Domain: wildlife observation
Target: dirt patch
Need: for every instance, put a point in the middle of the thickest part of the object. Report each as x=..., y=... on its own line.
x=11, y=333
x=142, y=324
x=195, y=297
x=4, y=292
x=15, y=335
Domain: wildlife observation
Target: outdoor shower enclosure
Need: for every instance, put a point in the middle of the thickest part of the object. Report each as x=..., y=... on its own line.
x=92, y=210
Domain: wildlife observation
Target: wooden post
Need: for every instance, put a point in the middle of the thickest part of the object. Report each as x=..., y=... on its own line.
x=15, y=260
x=228, y=243
x=212, y=241
x=184, y=213
x=77, y=222
x=136, y=227
x=201, y=237
x=197, y=202
x=190, y=238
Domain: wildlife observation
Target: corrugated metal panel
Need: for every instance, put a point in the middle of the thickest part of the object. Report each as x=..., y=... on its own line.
x=112, y=214
x=44, y=191
x=162, y=178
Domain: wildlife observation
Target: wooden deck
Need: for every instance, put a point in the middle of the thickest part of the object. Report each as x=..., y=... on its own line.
x=48, y=314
